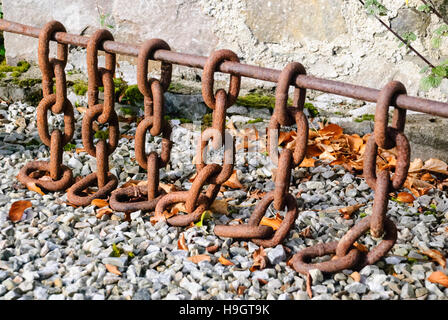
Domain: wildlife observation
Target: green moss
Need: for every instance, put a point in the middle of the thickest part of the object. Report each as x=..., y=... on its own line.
x=102, y=134
x=362, y=215
x=256, y=100
x=207, y=120
x=69, y=147
x=26, y=83
x=2, y=75
x=132, y=95
x=365, y=117
x=80, y=87
x=15, y=74
x=255, y=120
x=34, y=97
x=312, y=109
x=22, y=66
x=120, y=86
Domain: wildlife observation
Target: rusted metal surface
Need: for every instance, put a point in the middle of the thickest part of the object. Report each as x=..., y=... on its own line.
x=60, y=176
x=101, y=113
x=436, y=108
x=210, y=176
x=131, y=198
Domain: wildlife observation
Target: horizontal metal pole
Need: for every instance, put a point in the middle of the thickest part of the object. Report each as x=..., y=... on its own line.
x=266, y=74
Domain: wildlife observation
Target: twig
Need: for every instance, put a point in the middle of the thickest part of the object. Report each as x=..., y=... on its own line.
x=433, y=9
x=402, y=40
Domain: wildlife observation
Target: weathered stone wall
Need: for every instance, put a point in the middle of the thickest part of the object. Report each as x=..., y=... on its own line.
x=333, y=39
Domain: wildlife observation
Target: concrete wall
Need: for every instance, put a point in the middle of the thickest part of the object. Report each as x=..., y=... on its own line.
x=333, y=39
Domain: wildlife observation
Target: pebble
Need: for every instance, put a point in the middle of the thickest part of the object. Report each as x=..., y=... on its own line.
x=59, y=252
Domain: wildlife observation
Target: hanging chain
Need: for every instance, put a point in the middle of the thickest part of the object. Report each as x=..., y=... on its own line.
x=347, y=256
x=60, y=176
x=104, y=114
x=153, y=122
x=212, y=174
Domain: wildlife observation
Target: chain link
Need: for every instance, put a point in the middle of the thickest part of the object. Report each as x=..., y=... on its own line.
x=61, y=176
x=104, y=114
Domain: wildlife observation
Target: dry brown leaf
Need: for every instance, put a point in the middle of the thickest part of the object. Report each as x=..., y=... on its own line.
x=306, y=233
x=439, y=277
x=332, y=130
x=257, y=194
x=163, y=216
x=167, y=187
x=240, y=290
x=225, y=262
x=360, y=247
x=355, y=142
x=113, y=269
x=220, y=206
x=127, y=136
x=435, y=165
x=33, y=187
x=233, y=182
x=405, y=197
x=17, y=209
x=200, y=257
x=130, y=183
x=416, y=165
x=309, y=280
x=212, y=249
x=260, y=259
x=99, y=203
x=104, y=211
x=181, y=243
x=81, y=109
x=274, y=223
x=327, y=156
x=313, y=151
x=348, y=211
x=307, y=163
x=356, y=276
x=79, y=150
x=435, y=255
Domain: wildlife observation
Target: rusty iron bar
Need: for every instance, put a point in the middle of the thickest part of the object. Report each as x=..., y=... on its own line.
x=428, y=106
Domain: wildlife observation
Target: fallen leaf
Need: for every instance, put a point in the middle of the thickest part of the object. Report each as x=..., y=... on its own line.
x=405, y=197
x=99, y=203
x=167, y=187
x=356, y=276
x=130, y=183
x=332, y=130
x=17, y=209
x=198, y=258
x=101, y=212
x=274, y=223
x=348, y=211
x=309, y=280
x=436, y=256
x=181, y=243
x=435, y=165
x=225, y=262
x=240, y=290
x=233, y=182
x=307, y=163
x=306, y=233
x=260, y=259
x=355, y=142
x=79, y=150
x=220, y=206
x=212, y=249
x=127, y=136
x=439, y=277
x=81, y=109
x=360, y=247
x=33, y=187
x=113, y=269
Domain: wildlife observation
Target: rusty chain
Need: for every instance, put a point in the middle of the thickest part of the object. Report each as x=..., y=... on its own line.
x=211, y=176
x=103, y=114
x=347, y=256
x=152, y=90
x=60, y=176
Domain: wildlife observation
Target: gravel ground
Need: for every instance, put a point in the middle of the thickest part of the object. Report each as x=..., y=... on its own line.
x=59, y=252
